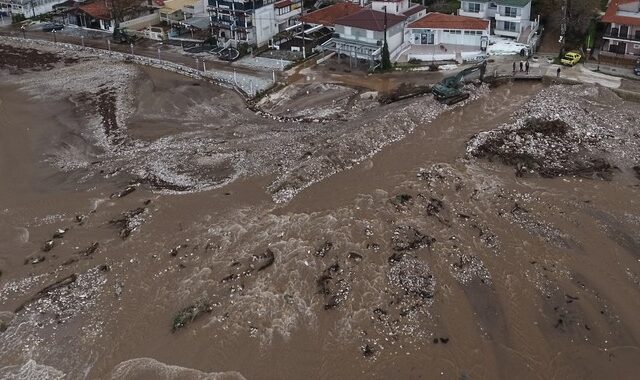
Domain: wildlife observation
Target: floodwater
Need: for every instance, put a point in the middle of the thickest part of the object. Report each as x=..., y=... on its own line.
x=413, y=263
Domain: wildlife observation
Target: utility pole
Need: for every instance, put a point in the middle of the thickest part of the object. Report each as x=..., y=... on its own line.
x=385, y=24
x=304, y=48
x=563, y=27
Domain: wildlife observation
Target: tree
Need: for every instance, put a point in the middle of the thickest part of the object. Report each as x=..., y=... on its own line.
x=579, y=13
x=386, y=58
x=120, y=9
x=444, y=6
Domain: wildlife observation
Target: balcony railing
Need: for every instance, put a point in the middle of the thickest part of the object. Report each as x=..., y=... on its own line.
x=630, y=37
x=224, y=24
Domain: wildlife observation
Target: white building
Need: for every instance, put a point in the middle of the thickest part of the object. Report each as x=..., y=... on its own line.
x=439, y=37
x=28, y=8
x=438, y=28
x=405, y=8
x=622, y=36
x=252, y=21
x=361, y=34
x=511, y=18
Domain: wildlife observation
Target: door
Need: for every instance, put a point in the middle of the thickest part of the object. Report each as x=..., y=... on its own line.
x=427, y=38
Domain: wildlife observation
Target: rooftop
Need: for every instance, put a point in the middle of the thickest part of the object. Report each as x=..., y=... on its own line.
x=98, y=9
x=413, y=10
x=171, y=6
x=370, y=20
x=328, y=15
x=612, y=15
x=435, y=20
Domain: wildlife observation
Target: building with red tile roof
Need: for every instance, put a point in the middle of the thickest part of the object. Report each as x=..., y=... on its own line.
x=439, y=28
x=435, y=20
x=327, y=16
x=368, y=19
x=622, y=35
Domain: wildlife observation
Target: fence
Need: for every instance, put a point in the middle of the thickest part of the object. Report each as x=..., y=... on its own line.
x=246, y=85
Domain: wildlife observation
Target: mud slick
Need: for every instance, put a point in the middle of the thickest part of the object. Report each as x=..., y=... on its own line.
x=154, y=226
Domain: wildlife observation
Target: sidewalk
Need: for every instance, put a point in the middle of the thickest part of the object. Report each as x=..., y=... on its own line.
x=612, y=70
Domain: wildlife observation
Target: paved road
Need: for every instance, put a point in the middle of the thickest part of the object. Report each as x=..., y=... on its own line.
x=143, y=47
x=608, y=76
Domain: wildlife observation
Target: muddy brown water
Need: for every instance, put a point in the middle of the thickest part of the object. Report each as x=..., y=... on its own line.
x=549, y=292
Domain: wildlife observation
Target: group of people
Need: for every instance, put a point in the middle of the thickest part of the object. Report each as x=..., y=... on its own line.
x=524, y=67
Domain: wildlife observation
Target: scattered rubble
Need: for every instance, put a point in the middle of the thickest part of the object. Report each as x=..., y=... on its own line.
x=407, y=238
x=66, y=281
x=129, y=221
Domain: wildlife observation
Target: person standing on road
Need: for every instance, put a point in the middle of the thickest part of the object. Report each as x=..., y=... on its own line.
x=526, y=65
x=514, y=67
x=558, y=72
x=520, y=66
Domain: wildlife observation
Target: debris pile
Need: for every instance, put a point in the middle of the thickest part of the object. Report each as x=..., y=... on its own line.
x=563, y=131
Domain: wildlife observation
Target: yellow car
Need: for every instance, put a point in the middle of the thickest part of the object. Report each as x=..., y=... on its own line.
x=571, y=59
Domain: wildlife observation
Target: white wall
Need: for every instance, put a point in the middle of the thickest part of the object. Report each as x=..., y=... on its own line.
x=39, y=7
x=141, y=22
x=265, y=24
x=392, y=6
x=442, y=37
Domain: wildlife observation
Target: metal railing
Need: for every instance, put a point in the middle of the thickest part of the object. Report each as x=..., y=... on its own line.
x=619, y=36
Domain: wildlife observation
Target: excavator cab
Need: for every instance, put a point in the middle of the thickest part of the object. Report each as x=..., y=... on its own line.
x=448, y=90
x=120, y=36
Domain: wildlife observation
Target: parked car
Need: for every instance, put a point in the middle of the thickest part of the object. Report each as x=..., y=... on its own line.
x=51, y=26
x=636, y=70
x=571, y=58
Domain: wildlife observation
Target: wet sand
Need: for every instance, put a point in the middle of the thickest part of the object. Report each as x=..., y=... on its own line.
x=527, y=277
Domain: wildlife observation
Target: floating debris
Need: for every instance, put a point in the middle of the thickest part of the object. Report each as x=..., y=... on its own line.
x=190, y=313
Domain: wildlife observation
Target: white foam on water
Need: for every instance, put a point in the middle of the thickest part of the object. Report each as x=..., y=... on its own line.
x=147, y=368
x=30, y=371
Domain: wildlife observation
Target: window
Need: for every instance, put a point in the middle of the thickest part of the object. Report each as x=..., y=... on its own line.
x=284, y=10
x=473, y=7
x=510, y=11
x=510, y=26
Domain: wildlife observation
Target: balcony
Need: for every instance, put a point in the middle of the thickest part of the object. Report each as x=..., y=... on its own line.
x=227, y=24
x=616, y=35
x=467, y=13
x=507, y=32
x=513, y=17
